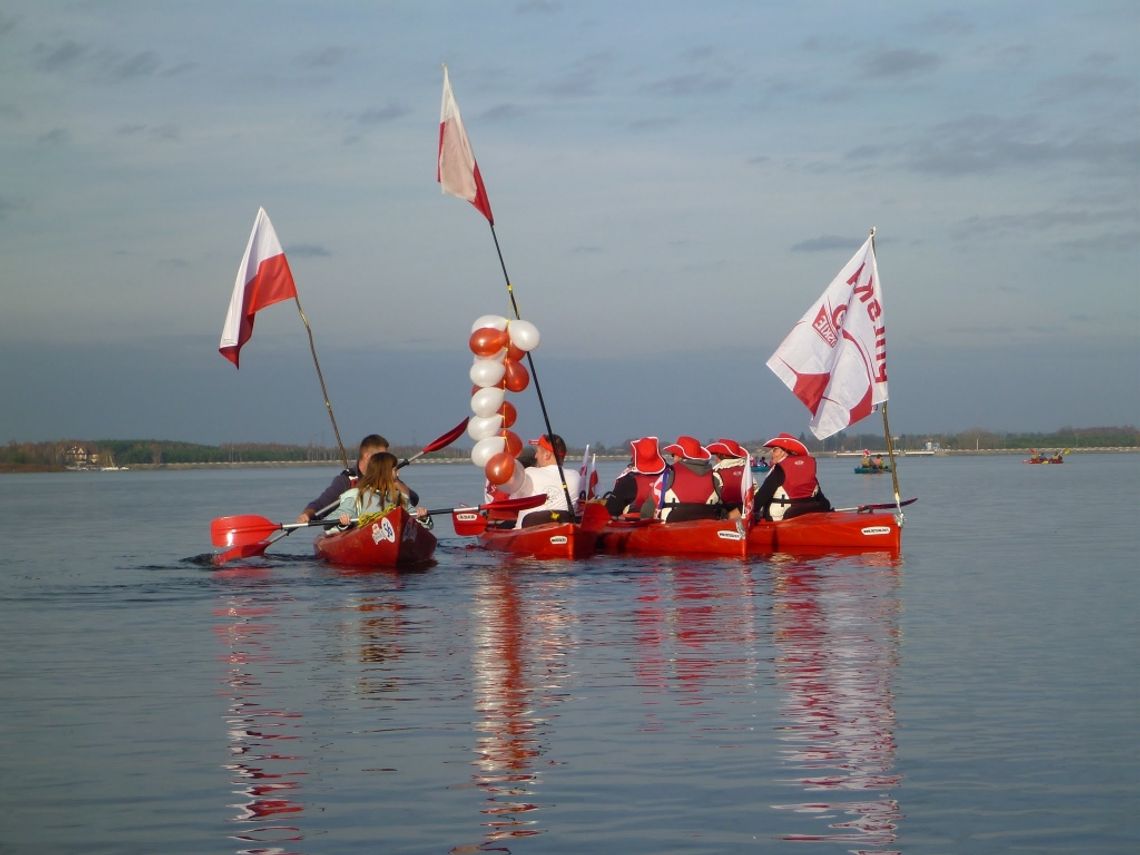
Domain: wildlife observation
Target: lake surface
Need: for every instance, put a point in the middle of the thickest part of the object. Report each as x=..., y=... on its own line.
x=979, y=693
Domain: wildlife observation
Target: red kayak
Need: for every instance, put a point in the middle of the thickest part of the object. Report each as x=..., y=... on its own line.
x=392, y=540
x=549, y=540
x=724, y=538
x=837, y=530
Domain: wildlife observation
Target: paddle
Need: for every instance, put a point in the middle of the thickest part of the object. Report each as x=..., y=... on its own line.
x=437, y=444
x=469, y=522
x=883, y=506
x=594, y=516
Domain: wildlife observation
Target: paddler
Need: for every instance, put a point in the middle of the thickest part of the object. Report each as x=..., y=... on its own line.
x=323, y=504
x=633, y=489
x=688, y=490
x=791, y=488
x=378, y=491
x=728, y=471
x=544, y=477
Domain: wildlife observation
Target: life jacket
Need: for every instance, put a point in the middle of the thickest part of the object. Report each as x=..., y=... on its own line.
x=799, y=477
x=731, y=474
x=644, y=491
x=690, y=495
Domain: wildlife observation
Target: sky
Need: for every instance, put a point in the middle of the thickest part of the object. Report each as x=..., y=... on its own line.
x=673, y=185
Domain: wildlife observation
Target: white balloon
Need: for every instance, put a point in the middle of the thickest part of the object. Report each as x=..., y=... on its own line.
x=481, y=427
x=524, y=335
x=495, y=322
x=518, y=476
x=487, y=401
x=486, y=372
x=485, y=449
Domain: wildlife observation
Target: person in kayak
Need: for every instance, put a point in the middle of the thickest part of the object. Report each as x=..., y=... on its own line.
x=323, y=504
x=729, y=473
x=688, y=490
x=378, y=491
x=791, y=488
x=544, y=477
x=632, y=493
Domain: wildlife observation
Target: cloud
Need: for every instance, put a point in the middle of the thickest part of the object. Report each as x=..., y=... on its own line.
x=1084, y=84
x=899, y=62
x=982, y=144
x=825, y=243
x=116, y=67
x=59, y=57
x=688, y=85
x=651, y=123
x=307, y=250
x=381, y=115
x=56, y=136
x=167, y=132
x=581, y=79
x=322, y=58
x=538, y=7
x=10, y=204
x=1035, y=222
x=7, y=23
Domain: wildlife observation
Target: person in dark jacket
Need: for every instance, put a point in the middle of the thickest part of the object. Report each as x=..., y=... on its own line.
x=633, y=488
x=791, y=488
x=326, y=502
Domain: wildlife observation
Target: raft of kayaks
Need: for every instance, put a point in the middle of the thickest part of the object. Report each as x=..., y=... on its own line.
x=823, y=532
x=393, y=539
x=872, y=470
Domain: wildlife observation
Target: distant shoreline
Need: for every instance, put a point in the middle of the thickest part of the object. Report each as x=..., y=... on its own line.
x=326, y=464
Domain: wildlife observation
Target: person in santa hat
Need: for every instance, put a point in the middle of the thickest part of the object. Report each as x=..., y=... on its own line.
x=632, y=493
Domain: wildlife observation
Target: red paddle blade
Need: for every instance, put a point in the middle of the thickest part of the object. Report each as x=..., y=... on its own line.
x=236, y=553
x=241, y=530
x=522, y=503
x=447, y=438
x=468, y=522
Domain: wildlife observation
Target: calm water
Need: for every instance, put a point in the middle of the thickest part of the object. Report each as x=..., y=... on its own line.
x=978, y=694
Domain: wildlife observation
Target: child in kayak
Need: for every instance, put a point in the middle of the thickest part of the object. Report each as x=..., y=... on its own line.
x=377, y=492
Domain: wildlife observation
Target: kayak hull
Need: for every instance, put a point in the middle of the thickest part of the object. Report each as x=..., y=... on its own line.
x=392, y=540
x=549, y=540
x=835, y=530
x=724, y=538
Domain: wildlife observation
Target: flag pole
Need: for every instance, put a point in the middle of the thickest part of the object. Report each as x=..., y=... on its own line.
x=321, y=378
x=533, y=372
x=887, y=426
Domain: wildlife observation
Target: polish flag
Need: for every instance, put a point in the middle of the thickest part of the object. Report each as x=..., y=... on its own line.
x=263, y=278
x=835, y=357
x=456, y=169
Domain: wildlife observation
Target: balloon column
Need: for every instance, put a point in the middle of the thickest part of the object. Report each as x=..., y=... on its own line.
x=498, y=345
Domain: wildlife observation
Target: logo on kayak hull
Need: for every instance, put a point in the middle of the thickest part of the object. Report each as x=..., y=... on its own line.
x=383, y=531
x=873, y=530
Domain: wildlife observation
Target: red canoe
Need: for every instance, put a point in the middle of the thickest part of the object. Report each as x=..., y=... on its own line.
x=549, y=540
x=836, y=530
x=654, y=537
x=393, y=540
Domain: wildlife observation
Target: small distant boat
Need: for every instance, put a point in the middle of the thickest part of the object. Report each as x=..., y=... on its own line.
x=872, y=470
x=1046, y=458
x=761, y=467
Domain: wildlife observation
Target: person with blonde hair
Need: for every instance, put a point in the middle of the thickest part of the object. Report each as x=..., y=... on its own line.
x=377, y=492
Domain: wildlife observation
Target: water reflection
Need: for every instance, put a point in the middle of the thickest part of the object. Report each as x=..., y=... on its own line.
x=696, y=633
x=265, y=765
x=835, y=625
x=523, y=633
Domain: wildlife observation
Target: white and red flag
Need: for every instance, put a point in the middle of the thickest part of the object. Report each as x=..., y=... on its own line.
x=456, y=169
x=835, y=357
x=263, y=278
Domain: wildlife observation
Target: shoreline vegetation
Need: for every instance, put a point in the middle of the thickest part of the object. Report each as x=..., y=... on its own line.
x=120, y=454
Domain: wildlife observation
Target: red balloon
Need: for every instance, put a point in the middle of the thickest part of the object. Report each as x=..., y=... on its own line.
x=514, y=353
x=516, y=377
x=500, y=468
x=509, y=413
x=513, y=444
x=486, y=341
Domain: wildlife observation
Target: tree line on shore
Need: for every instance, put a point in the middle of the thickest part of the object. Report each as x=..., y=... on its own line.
x=87, y=454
